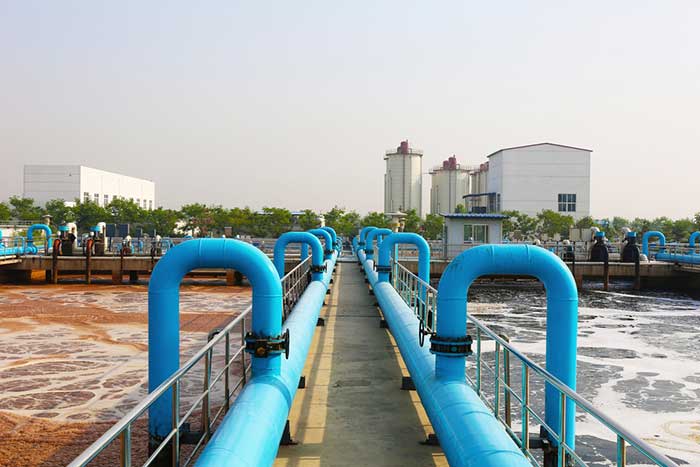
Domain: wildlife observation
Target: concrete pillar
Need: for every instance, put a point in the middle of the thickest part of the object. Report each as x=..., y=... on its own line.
x=116, y=276
x=133, y=277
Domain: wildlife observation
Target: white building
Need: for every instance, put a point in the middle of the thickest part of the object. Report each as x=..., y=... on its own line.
x=533, y=178
x=462, y=231
x=403, y=186
x=449, y=183
x=70, y=182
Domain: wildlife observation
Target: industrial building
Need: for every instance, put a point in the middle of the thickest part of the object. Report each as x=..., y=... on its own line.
x=449, y=184
x=70, y=182
x=533, y=178
x=403, y=186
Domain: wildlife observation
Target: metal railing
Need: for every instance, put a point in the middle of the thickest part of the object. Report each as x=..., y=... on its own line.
x=233, y=358
x=494, y=385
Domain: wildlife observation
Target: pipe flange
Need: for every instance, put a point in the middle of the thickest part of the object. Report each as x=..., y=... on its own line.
x=318, y=267
x=328, y=252
x=361, y=244
x=381, y=268
x=451, y=346
x=264, y=346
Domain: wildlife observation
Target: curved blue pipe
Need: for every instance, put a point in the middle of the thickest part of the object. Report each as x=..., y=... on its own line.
x=456, y=412
x=328, y=251
x=387, y=246
x=693, y=238
x=250, y=432
x=164, y=305
x=304, y=238
x=363, y=235
x=31, y=248
x=334, y=235
x=369, y=240
x=645, y=241
x=562, y=313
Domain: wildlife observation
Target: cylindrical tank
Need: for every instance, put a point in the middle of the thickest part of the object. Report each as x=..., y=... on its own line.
x=599, y=250
x=630, y=252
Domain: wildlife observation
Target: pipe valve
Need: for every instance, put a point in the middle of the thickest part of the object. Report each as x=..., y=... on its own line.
x=264, y=346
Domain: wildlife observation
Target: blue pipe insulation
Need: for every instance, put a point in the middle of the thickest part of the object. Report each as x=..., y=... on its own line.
x=334, y=235
x=469, y=433
x=164, y=305
x=328, y=242
x=370, y=238
x=363, y=235
x=678, y=258
x=31, y=248
x=250, y=432
x=650, y=234
x=386, y=249
x=305, y=238
x=693, y=238
x=562, y=314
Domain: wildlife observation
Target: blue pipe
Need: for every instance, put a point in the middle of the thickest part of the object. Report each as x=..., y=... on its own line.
x=305, y=238
x=250, y=432
x=691, y=258
x=31, y=249
x=693, y=238
x=328, y=245
x=164, y=305
x=469, y=433
x=363, y=235
x=369, y=240
x=334, y=235
x=386, y=249
x=562, y=313
x=645, y=241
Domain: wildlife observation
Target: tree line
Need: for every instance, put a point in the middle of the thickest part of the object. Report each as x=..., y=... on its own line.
x=213, y=220
x=207, y=220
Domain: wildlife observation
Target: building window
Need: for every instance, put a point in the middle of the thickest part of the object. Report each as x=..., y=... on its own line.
x=96, y=197
x=144, y=204
x=476, y=233
x=566, y=202
x=150, y=204
x=86, y=197
x=106, y=200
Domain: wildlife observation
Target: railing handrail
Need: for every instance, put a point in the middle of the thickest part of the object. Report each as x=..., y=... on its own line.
x=643, y=447
x=115, y=431
x=110, y=435
x=587, y=406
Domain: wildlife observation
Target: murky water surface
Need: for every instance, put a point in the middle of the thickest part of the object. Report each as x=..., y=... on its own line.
x=638, y=361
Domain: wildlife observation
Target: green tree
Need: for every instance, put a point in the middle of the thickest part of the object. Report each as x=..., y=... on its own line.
x=89, y=214
x=347, y=225
x=519, y=222
x=308, y=220
x=681, y=230
x=334, y=216
x=5, y=212
x=585, y=223
x=275, y=221
x=412, y=221
x=376, y=219
x=124, y=211
x=552, y=223
x=242, y=220
x=24, y=209
x=433, y=226
x=161, y=221
x=59, y=212
x=198, y=218
x=460, y=209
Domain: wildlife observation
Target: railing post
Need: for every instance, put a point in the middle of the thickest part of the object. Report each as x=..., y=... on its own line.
x=561, y=453
x=506, y=380
x=621, y=452
x=478, y=360
x=227, y=374
x=205, y=402
x=125, y=447
x=243, y=364
x=524, y=407
x=175, y=443
x=497, y=381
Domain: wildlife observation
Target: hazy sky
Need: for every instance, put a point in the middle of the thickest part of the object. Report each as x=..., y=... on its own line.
x=292, y=103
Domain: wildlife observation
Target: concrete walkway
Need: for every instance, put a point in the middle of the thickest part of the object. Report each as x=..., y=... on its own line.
x=353, y=412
